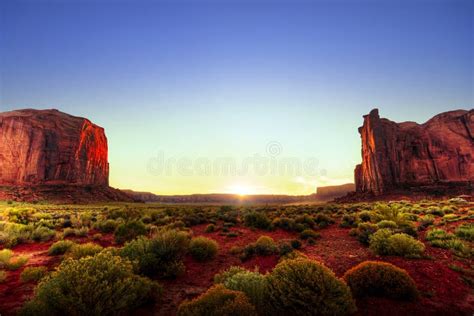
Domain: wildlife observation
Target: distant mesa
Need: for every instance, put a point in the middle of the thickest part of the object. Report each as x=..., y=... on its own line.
x=435, y=156
x=52, y=148
x=334, y=191
x=323, y=194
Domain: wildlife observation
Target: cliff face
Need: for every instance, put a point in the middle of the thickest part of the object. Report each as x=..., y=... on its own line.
x=48, y=147
x=404, y=155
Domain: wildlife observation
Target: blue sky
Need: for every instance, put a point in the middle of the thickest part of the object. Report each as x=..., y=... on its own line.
x=212, y=79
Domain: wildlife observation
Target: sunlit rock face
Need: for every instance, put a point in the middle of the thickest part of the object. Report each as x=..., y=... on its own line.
x=46, y=147
x=404, y=155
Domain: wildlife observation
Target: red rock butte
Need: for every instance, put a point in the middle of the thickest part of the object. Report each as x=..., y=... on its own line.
x=48, y=147
x=407, y=155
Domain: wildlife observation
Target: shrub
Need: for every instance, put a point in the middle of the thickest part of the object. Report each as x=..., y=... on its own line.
x=257, y=220
x=284, y=223
x=384, y=242
x=323, y=220
x=78, y=251
x=202, y=248
x=3, y=276
x=426, y=221
x=253, y=284
x=466, y=231
x=10, y=262
x=68, y=232
x=210, y=228
x=129, y=230
x=408, y=228
x=5, y=256
x=371, y=278
x=405, y=245
x=218, y=301
x=265, y=246
x=364, y=231
x=99, y=285
x=107, y=226
x=365, y=216
x=224, y=275
x=387, y=224
x=295, y=243
x=33, y=274
x=309, y=233
x=349, y=220
x=160, y=256
x=42, y=233
x=295, y=254
x=305, y=287
x=437, y=233
x=379, y=241
x=284, y=248
x=60, y=247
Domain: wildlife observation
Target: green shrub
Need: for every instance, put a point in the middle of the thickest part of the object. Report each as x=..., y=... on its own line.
x=12, y=234
x=284, y=248
x=466, y=231
x=60, y=247
x=35, y=274
x=218, y=301
x=379, y=241
x=253, y=284
x=107, y=226
x=257, y=220
x=129, y=230
x=295, y=254
x=323, y=220
x=365, y=216
x=349, y=220
x=437, y=233
x=99, y=285
x=265, y=245
x=284, y=223
x=5, y=256
x=295, y=243
x=405, y=245
x=309, y=233
x=3, y=276
x=426, y=221
x=305, y=287
x=203, y=249
x=77, y=251
x=387, y=224
x=11, y=262
x=371, y=278
x=160, y=256
x=210, y=228
x=384, y=242
x=42, y=233
x=364, y=231
x=69, y=232
x=224, y=275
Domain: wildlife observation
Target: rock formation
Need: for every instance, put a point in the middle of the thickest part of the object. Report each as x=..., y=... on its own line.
x=334, y=191
x=407, y=155
x=48, y=147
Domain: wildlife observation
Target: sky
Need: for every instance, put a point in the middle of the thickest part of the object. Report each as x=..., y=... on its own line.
x=247, y=97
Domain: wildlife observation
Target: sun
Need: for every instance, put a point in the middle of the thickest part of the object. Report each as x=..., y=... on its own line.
x=241, y=189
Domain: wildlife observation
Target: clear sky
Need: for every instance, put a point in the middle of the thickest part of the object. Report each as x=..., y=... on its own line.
x=186, y=86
